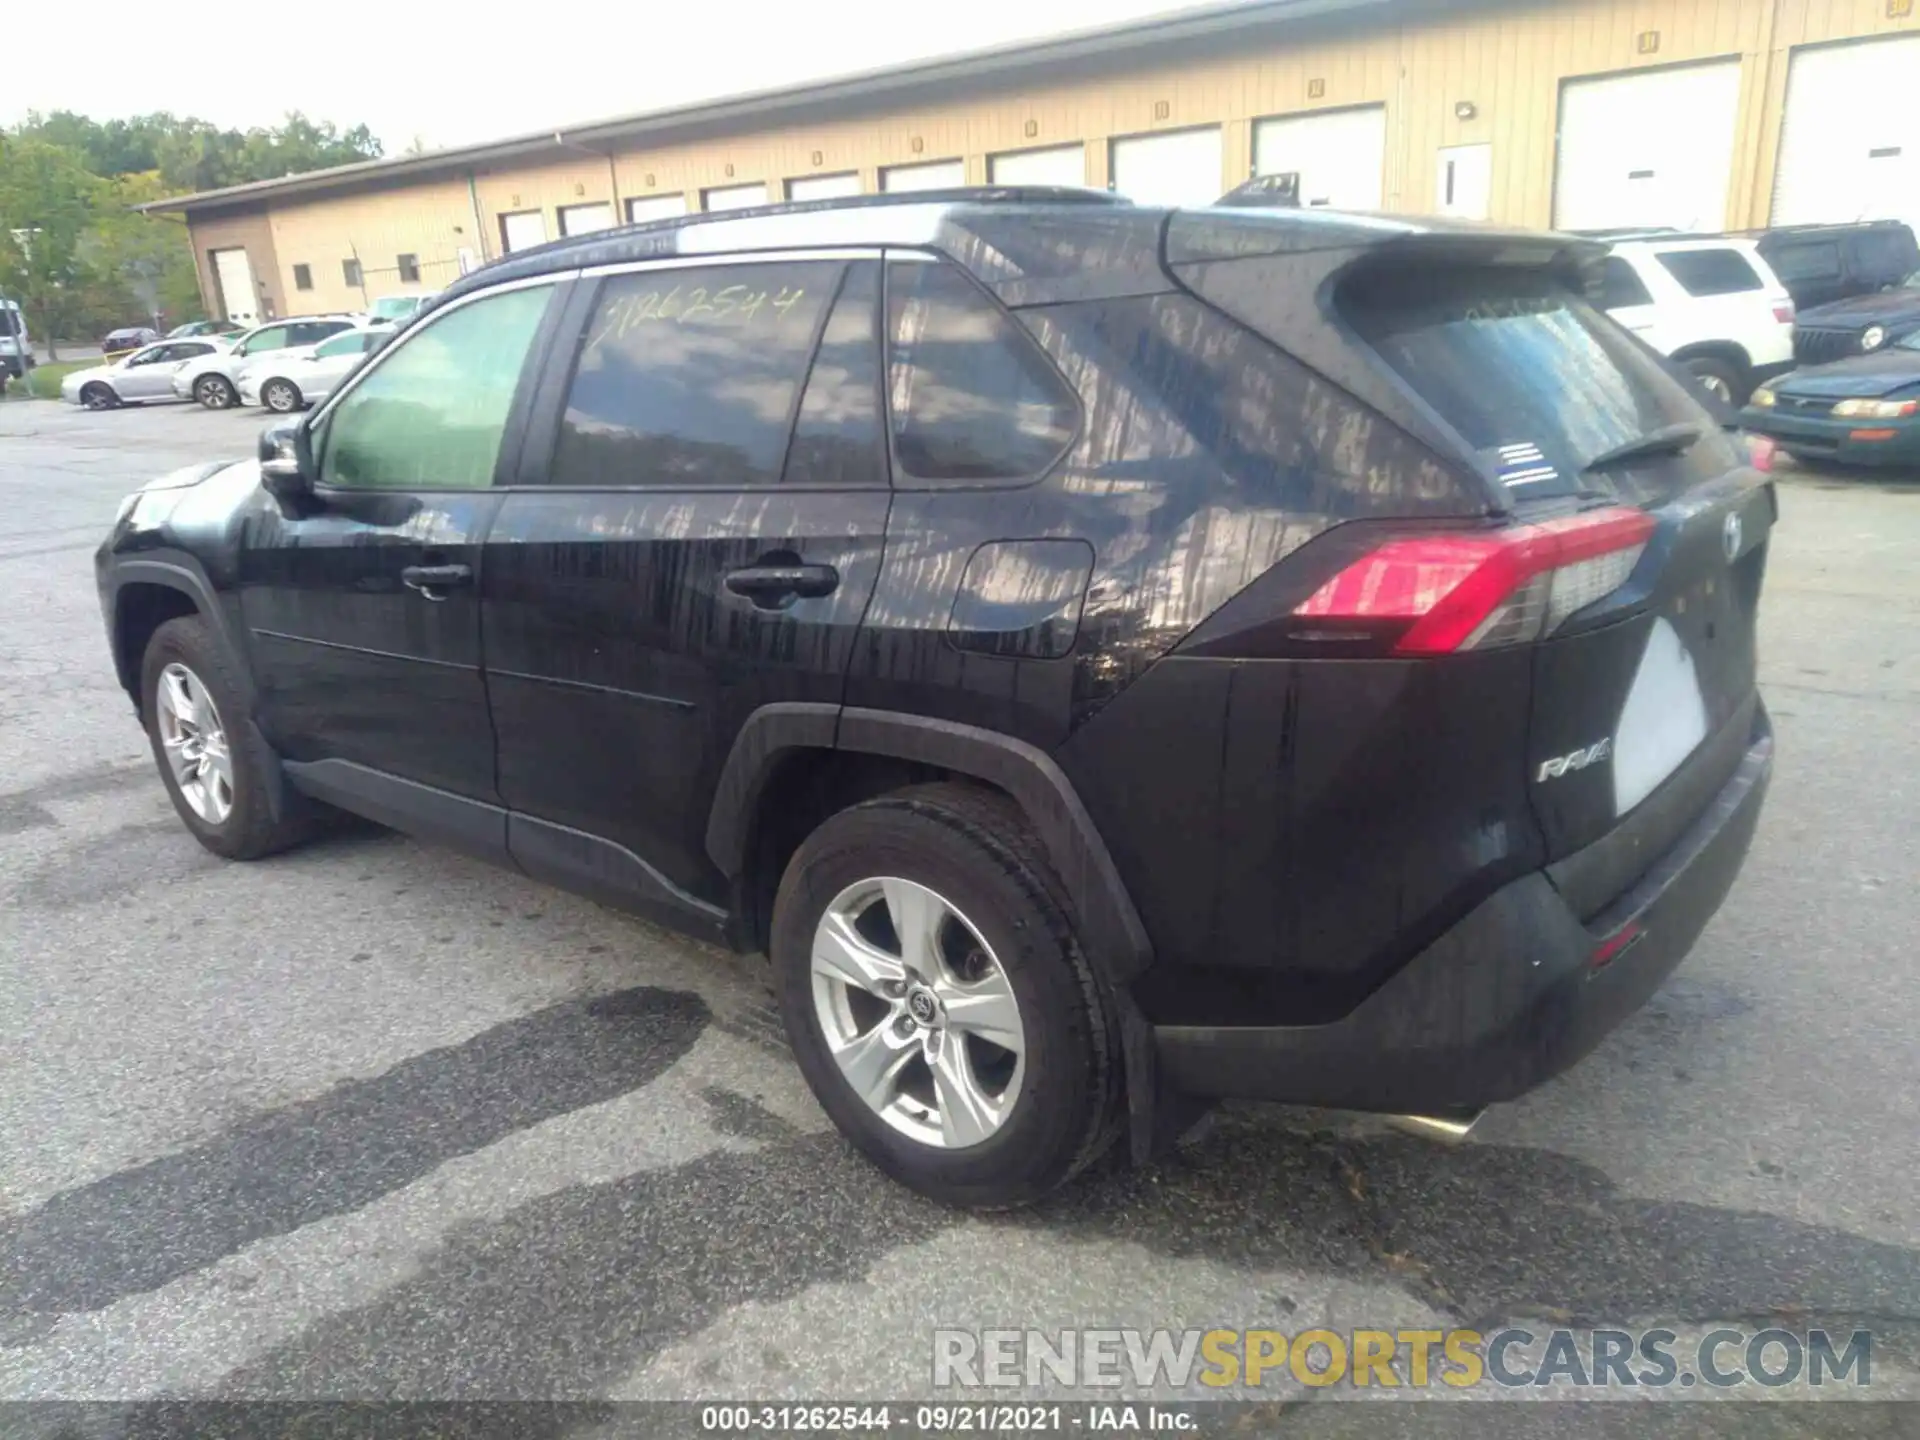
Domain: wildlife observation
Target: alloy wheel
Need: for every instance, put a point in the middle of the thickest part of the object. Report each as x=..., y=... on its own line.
x=280, y=397
x=918, y=1012
x=195, y=743
x=212, y=393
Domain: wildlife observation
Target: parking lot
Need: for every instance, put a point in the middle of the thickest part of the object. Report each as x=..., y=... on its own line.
x=372, y=1120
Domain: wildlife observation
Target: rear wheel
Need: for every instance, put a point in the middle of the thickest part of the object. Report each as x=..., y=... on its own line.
x=215, y=392
x=213, y=763
x=280, y=396
x=99, y=397
x=938, y=1001
x=1719, y=378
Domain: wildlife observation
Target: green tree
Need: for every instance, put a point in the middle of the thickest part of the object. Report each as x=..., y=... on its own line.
x=48, y=202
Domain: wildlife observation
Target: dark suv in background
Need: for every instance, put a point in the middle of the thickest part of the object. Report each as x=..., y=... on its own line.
x=1855, y=288
x=1106, y=657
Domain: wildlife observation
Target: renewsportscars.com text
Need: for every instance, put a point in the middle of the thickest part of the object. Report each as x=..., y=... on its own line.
x=1513, y=1357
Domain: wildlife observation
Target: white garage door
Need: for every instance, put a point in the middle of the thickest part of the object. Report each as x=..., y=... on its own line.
x=1059, y=165
x=938, y=175
x=522, y=229
x=642, y=208
x=824, y=187
x=585, y=219
x=1339, y=155
x=1654, y=147
x=734, y=197
x=1181, y=168
x=239, y=297
x=1850, y=143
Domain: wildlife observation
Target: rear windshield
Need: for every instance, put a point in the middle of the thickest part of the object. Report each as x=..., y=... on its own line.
x=1535, y=380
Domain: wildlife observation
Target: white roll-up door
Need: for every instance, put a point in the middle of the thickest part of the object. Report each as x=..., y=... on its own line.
x=585, y=219
x=1181, y=167
x=1648, y=148
x=1339, y=155
x=824, y=187
x=522, y=229
x=937, y=175
x=1850, y=139
x=1056, y=165
x=239, y=296
x=642, y=208
x=734, y=197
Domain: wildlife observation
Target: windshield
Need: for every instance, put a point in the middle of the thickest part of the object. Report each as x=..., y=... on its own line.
x=395, y=307
x=1530, y=375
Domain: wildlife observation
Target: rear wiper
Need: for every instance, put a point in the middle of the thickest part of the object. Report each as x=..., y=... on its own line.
x=1667, y=440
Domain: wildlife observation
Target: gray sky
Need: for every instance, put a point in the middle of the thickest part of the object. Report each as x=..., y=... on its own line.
x=449, y=76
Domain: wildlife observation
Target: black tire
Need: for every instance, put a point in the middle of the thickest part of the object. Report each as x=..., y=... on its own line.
x=215, y=392
x=280, y=396
x=98, y=397
x=976, y=849
x=249, y=830
x=1717, y=372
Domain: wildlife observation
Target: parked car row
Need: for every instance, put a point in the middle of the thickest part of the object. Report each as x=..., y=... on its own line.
x=283, y=365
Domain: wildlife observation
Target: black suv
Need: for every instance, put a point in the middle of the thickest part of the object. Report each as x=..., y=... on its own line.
x=1108, y=658
x=1853, y=286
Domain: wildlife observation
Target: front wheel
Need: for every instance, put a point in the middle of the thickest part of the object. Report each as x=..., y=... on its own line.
x=215, y=392
x=938, y=1001
x=280, y=396
x=214, y=765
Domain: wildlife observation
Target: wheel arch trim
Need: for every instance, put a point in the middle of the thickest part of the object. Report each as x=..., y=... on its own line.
x=188, y=581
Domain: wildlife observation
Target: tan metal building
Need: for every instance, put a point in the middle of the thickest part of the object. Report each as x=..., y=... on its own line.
x=1701, y=114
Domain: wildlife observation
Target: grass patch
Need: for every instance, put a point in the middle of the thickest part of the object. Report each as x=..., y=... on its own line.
x=43, y=381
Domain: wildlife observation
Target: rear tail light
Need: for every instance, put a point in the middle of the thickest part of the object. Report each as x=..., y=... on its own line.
x=1435, y=594
x=1784, y=313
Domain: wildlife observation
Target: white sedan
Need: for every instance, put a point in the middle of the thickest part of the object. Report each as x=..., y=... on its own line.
x=286, y=380
x=142, y=377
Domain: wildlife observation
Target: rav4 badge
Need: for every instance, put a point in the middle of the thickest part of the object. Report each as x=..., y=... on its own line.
x=1574, y=760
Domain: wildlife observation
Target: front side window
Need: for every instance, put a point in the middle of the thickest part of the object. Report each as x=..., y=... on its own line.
x=431, y=417
x=972, y=396
x=1710, y=272
x=689, y=377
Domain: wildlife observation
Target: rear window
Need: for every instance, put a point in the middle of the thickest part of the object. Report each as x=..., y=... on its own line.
x=1531, y=376
x=1813, y=260
x=1710, y=272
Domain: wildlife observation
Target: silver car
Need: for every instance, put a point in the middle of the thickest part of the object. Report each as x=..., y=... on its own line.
x=143, y=377
x=286, y=380
x=215, y=380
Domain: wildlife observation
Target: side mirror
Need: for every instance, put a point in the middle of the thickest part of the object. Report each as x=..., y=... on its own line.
x=286, y=464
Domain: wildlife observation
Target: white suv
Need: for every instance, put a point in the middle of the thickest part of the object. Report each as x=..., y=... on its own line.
x=1710, y=303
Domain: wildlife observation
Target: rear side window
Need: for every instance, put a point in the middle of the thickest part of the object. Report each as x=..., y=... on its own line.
x=1711, y=272
x=1620, y=286
x=1497, y=354
x=972, y=396
x=690, y=377
x=837, y=435
x=352, y=343
x=1816, y=260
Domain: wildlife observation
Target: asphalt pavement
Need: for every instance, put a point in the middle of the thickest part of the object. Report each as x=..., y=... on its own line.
x=373, y=1120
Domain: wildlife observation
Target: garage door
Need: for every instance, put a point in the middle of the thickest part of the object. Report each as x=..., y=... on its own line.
x=585, y=219
x=1848, y=149
x=1181, y=168
x=824, y=187
x=239, y=296
x=1339, y=155
x=522, y=229
x=734, y=197
x=939, y=175
x=1058, y=165
x=642, y=208
x=1654, y=147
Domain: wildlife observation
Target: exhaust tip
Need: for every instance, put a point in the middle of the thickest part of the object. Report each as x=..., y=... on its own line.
x=1448, y=1130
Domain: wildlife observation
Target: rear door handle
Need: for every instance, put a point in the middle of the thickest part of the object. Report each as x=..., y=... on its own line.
x=770, y=586
x=430, y=578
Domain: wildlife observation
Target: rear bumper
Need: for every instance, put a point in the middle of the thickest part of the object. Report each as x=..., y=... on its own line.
x=1506, y=999
x=1897, y=442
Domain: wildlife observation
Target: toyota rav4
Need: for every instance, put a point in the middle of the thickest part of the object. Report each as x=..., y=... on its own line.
x=1107, y=658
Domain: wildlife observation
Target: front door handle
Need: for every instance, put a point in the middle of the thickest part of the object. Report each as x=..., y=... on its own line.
x=771, y=586
x=433, y=580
